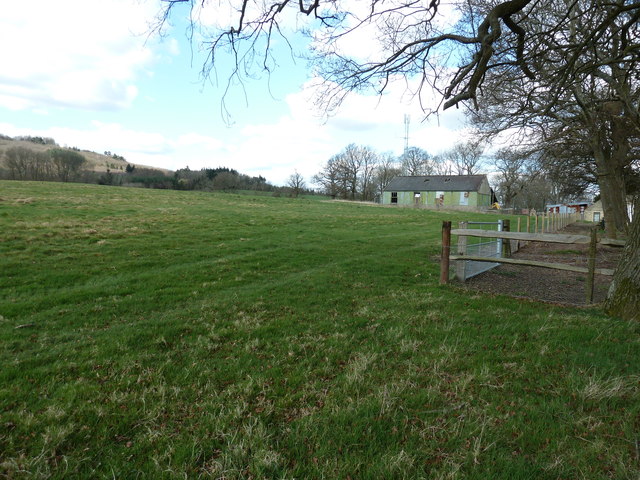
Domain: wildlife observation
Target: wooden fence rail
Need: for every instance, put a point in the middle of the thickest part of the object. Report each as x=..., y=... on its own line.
x=533, y=263
x=523, y=236
x=591, y=240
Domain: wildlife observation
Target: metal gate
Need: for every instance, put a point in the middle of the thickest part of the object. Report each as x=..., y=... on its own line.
x=481, y=247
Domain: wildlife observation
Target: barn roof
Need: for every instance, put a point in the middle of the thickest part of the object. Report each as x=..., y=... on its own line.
x=441, y=183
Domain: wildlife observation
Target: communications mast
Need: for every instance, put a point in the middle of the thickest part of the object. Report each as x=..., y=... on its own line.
x=407, y=120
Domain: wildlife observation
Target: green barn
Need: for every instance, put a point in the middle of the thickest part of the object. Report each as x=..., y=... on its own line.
x=456, y=191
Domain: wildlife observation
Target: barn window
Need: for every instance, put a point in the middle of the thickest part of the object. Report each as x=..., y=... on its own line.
x=394, y=197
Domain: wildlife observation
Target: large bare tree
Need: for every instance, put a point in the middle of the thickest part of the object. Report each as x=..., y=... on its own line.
x=296, y=183
x=515, y=173
x=416, y=161
x=388, y=167
x=415, y=41
x=409, y=36
x=580, y=110
x=465, y=158
x=349, y=174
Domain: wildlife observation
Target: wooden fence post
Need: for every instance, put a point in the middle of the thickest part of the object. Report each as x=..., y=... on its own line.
x=591, y=263
x=506, y=244
x=444, y=256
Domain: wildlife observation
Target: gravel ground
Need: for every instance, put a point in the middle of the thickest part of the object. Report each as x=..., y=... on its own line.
x=555, y=286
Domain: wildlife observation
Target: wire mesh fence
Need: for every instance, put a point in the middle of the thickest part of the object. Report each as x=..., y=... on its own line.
x=480, y=247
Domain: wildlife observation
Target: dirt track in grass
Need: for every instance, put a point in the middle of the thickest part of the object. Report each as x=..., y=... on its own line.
x=556, y=286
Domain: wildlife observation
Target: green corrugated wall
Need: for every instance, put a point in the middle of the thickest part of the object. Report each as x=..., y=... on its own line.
x=429, y=198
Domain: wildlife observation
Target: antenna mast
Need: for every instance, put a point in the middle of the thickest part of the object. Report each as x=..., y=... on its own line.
x=407, y=120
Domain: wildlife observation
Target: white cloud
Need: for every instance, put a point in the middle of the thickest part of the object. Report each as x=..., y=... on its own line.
x=378, y=121
x=73, y=53
x=173, y=47
x=200, y=141
x=284, y=146
x=13, y=102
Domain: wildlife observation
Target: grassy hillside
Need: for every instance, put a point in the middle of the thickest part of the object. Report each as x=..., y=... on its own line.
x=165, y=334
x=96, y=162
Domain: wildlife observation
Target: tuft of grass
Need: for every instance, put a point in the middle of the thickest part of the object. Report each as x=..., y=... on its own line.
x=167, y=334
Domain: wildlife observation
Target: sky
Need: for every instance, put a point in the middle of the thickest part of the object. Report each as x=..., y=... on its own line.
x=90, y=75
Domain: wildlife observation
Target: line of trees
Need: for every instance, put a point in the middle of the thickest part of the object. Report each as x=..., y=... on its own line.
x=524, y=179
x=221, y=178
x=206, y=179
x=35, y=139
x=69, y=165
x=57, y=164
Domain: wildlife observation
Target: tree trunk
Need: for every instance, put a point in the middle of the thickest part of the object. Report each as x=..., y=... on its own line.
x=614, y=201
x=618, y=160
x=612, y=187
x=624, y=294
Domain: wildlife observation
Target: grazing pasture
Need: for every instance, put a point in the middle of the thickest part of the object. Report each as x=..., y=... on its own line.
x=164, y=334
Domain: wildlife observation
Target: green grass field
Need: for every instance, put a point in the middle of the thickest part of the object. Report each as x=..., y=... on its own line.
x=163, y=334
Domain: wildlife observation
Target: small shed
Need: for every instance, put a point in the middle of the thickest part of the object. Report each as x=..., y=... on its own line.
x=457, y=191
x=594, y=213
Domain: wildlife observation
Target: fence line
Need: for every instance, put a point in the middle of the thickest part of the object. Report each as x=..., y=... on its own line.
x=546, y=222
x=462, y=256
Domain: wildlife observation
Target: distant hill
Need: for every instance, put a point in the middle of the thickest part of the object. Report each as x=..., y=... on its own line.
x=96, y=162
x=28, y=162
